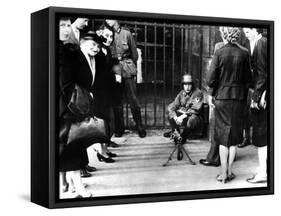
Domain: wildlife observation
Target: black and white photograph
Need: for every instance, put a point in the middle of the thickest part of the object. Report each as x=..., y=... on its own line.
x=140, y=108
x=159, y=106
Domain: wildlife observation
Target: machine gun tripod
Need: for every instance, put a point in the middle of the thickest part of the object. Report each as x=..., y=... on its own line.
x=179, y=148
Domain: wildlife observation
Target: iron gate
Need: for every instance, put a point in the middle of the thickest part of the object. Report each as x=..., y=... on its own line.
x=168, y=51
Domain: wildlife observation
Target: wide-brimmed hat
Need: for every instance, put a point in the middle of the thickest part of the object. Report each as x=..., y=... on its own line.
x=91, y=35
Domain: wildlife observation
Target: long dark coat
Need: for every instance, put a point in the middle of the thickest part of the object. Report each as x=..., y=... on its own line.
x=230, y=77
x=72, y=157
x=260, y=85
x=74, y=69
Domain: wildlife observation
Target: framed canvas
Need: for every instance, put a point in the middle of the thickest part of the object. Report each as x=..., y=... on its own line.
x=138, y=107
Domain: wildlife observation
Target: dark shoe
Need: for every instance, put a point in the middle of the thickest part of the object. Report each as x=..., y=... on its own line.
x=141, y=132
x=106, y=160
x=119, y=134
x=256, y=180
x=231, y=176
x=110, y=154
x=90, y=168
x=208, y=163
x=113, y=144
x=168, y=134
x=85, y=174
x=245, y=143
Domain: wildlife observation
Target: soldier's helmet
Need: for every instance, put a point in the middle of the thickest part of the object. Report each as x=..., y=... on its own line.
x=186, y=79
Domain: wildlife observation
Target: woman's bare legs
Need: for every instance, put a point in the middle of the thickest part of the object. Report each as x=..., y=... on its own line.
x=224, y=151
x=77, y=181
x=262, y=154
x=102, y=149
x=64, y=182
x=231, y=157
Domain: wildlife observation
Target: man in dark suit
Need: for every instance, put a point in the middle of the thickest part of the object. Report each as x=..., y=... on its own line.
x=258, y=105
x=249, y=44
x=213, y=157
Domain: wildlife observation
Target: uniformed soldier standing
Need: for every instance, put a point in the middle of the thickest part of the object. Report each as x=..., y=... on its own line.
x=124, y=51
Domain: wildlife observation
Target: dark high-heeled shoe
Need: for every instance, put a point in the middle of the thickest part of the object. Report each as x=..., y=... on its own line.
x=231, y=176
x=111, y=154
x=102, y=158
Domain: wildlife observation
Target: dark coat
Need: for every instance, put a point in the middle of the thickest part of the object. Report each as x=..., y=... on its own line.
x=73, y=69
x=260, y=68
x=103, y=87
x=72, y=157
x=230, y=73
x=230, y=76
x=66, y=59
x=260, y=71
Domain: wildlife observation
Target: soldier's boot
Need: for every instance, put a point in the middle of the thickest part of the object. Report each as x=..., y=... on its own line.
x=139, y=126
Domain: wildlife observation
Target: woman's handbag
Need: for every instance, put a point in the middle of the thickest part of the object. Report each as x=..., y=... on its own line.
x=80, y=102
x=90, y=130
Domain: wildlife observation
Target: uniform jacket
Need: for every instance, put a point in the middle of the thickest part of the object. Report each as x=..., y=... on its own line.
x=186, y=103
x=125, y=50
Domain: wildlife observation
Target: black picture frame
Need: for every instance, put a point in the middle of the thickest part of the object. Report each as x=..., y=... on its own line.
x=44, y=171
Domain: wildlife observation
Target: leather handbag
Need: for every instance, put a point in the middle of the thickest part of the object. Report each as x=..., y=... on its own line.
x=90, y=130
x=80, y=102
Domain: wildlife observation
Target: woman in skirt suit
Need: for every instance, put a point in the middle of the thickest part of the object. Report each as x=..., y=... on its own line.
x=230, y=77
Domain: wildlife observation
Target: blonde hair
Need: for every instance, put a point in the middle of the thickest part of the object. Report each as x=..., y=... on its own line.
x=231, y=34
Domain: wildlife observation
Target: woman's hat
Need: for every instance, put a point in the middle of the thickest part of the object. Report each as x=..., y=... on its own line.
x=91, y=35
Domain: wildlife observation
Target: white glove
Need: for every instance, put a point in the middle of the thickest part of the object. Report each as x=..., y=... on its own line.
x=118, y=78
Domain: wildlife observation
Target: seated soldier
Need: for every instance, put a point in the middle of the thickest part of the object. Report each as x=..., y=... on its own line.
x=185, y=110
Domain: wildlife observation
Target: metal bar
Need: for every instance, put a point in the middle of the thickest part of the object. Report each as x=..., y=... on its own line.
x=201, y=57
x=210, y=41
x=150, y=24
x=182, y=51
x=151, y=44
x=173, y=61
x=145, y=75
x=127, y=114
x=155, y=71
x=136, y=33
x=126, y=22
x=164, y=75
x=189, y=50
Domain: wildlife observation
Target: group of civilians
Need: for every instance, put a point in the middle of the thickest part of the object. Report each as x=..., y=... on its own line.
x=237, y=81
x=103, y=62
